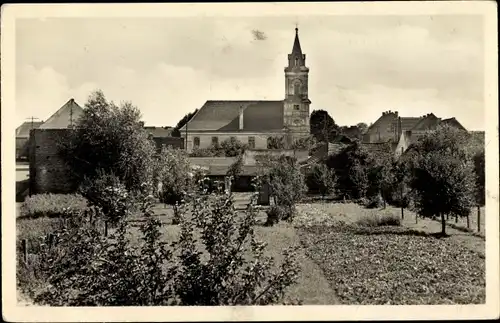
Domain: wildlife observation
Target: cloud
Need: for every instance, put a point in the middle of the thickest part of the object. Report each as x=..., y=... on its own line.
x=169, y=67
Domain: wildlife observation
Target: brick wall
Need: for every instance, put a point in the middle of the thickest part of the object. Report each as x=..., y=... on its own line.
x=48, y=172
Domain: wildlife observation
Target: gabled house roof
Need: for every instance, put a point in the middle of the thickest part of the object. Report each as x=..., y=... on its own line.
x=453, y=122
x=63, y=118
x=23, y=131
x=426, y=122
x=158, y=132
x=223, y=116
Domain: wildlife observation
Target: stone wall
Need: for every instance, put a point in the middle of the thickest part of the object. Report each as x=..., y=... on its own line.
x=48, y=172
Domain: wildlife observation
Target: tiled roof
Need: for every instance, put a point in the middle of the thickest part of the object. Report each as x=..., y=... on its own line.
x=453, y=122
x=378, y=147
x=408, y=123
x=64, y=117
x=23, y=131
x=427, y=122
x=296, y=50
x=258, y=116
x=159, y=131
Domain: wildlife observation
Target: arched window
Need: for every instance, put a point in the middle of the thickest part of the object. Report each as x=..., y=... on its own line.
x=196, y=141
x=296, y=61
x=296, y=88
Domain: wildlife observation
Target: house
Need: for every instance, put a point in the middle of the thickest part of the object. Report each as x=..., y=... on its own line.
x=253, y=122
x=162, y=136
x=22, y=137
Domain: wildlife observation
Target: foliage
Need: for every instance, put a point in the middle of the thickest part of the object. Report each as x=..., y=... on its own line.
x=236, y=168
x=216, y=261
x=230, y=147
x=395, y=266
x=321, y=179
x=442, y=175
x=176, y=131
x=286, y=182
x=276, y=142
x=52, y=205
x=175, y=177
x=303, y=143
x=110, y=139
x=227, y=277
x=382, y=219
x=106, y=192
x=323, y=127
x=351, y=170
x=479, y=172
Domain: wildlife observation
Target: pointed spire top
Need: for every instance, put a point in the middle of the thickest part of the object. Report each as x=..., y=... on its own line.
x=296, y=44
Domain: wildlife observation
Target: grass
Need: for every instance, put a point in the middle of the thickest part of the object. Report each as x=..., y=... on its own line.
x=389, y=264
x=397, y=269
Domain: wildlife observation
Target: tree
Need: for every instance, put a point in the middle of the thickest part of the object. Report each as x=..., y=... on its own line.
x=479, y=187
x=322, y=125
x=176, y=131
x=110, y=139
x=276, y=142
x=351, y=170
x=320, y=178
x=287, y=185
x=232, y=147
x=175, y=178
x=236, y=168
x=362, y=127
x=442, y=174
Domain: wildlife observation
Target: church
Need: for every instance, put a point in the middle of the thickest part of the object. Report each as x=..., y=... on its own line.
x=253, y=122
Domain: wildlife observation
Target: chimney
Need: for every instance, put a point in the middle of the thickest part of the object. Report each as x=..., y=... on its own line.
x=241, y=118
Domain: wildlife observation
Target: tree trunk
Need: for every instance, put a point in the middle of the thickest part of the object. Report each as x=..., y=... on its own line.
x=443, y=224
x=402, y=212
x=416, y=217
x=447, y=217
x=468, y=221
x=456, y=218
x=478, y=219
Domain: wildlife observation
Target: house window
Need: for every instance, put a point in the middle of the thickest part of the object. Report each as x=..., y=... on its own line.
x=296, y=61
x=251, y=142
x=196, y=142
x=215, y=141
x=296, y=107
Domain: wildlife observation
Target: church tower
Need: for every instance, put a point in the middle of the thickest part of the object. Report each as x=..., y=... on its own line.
x=296, y=103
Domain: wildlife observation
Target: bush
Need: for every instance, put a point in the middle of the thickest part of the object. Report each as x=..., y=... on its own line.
x=377, y=220
x=274, y=214
x=320, y=179
x=108, y=193
x=52, y=205
x=216, y=261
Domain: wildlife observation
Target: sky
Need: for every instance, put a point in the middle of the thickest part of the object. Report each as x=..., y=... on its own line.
x=360, y=66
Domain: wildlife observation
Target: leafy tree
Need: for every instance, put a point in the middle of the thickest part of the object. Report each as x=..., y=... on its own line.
x=287, y=185
x=380, y=177
x=322, y=125
x=442, y=174
x=351, y=166
x=276, y=142
x=479, y=171
x=176, y=131
x=320, y=178
x=232, y=147
x=175, y=178
x=236, y=168
x=303, y=143
x=110, y=139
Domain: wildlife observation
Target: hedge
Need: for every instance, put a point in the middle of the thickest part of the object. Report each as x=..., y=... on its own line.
x=52, y=205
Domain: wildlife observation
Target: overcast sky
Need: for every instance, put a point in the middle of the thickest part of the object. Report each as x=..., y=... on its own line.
x=359, y=66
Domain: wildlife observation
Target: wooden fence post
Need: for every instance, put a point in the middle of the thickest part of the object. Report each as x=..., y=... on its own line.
x=24, y=248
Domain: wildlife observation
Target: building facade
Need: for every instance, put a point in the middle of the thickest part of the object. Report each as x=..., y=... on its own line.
x=254, y=122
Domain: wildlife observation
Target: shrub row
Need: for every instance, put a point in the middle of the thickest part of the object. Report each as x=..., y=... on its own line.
x=52, y=205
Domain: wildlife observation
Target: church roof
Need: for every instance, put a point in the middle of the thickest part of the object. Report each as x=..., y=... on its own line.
x=64, y=117
x=223, y=116
x=296, y=44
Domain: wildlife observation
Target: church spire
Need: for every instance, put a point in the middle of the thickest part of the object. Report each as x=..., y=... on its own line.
x=296, y=51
